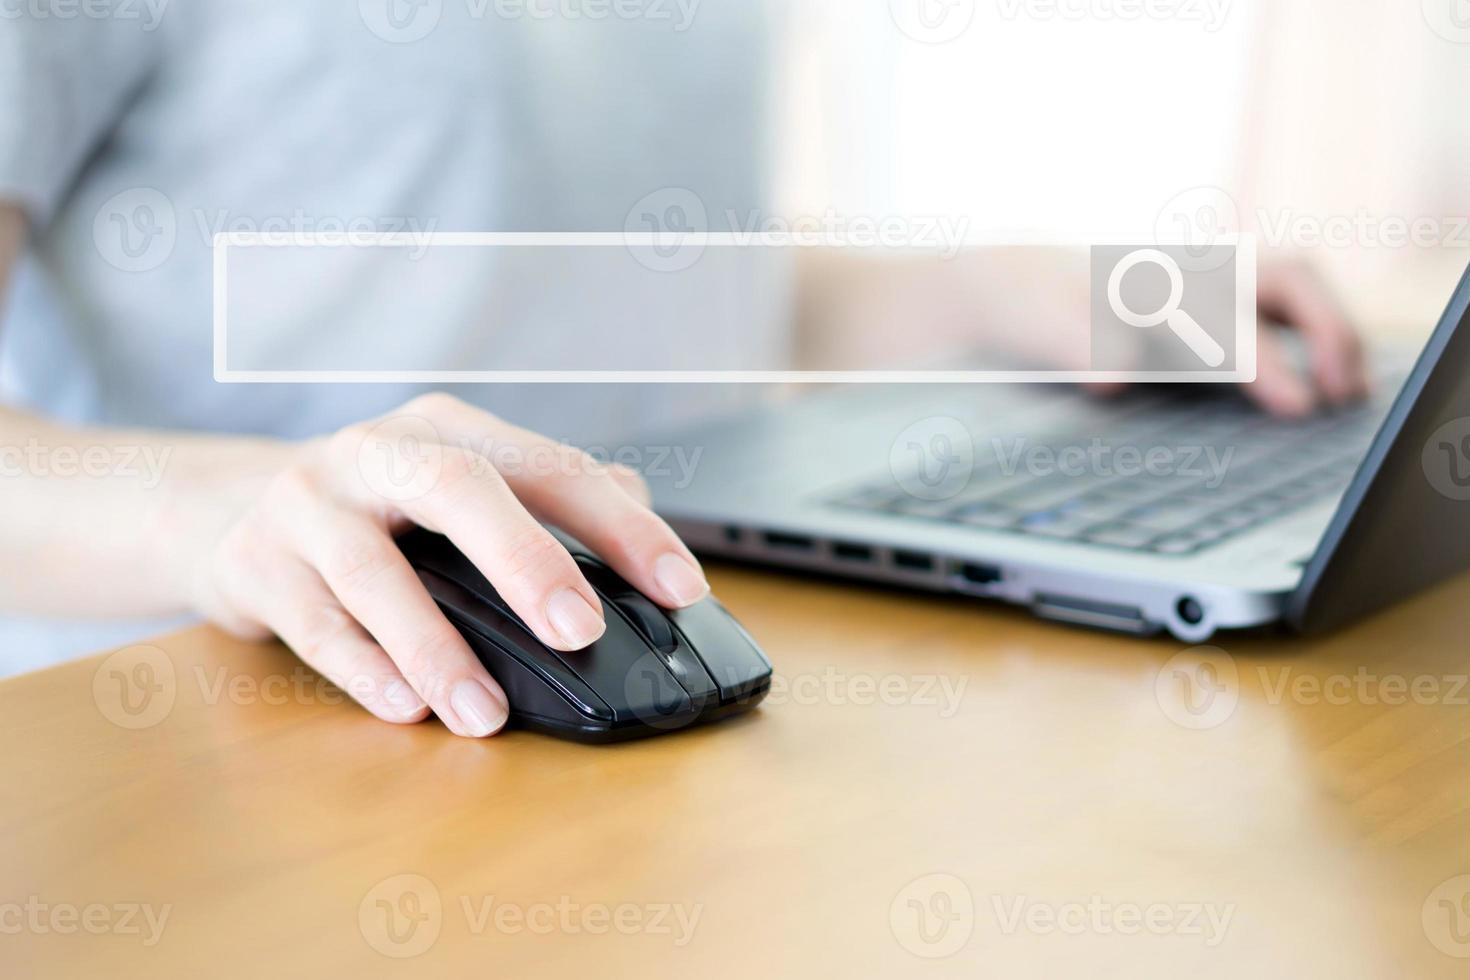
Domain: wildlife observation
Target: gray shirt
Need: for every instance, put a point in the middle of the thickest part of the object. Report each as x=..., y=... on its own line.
x=133, y=130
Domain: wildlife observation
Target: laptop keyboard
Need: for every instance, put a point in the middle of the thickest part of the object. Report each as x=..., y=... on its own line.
x=1219, y=469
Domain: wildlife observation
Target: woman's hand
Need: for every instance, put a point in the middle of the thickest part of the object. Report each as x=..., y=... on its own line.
x=1031, y=306
x=1292, y=295
x=310, y=556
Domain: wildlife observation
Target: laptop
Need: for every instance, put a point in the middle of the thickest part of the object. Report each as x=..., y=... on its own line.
x=1160, y=510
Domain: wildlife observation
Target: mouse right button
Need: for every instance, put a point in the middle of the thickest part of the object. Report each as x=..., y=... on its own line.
x=727, y=651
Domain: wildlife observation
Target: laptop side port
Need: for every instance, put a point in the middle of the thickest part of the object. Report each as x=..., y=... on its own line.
x=975, y=574
x=850, y=552
x=913, y=561
x=789, y=542
x=1100, y=615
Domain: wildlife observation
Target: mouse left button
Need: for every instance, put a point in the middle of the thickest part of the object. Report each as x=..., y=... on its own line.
x=512, y=655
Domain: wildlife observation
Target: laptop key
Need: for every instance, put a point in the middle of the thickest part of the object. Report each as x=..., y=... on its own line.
x=1169, y=515
x=1056, y=524
x=1100, y=506
x=920, y=507
x=1125, y=494
x=1177, y=544
x=979, y=489
x=1211, y=532
x=1122, y=536
x=1236, y=518
x=1298, y=491
x=1041, y=496
x=881, y=497
x=986, y=515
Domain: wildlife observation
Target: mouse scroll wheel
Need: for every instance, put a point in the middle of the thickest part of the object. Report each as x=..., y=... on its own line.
x=648, y=620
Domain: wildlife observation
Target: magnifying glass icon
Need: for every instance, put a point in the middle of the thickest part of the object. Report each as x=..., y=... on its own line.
x=1185, y=327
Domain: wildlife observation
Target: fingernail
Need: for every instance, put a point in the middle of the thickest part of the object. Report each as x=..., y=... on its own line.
x=574, y=620
x=402, y=698
x=681, y=580
x=479, y=712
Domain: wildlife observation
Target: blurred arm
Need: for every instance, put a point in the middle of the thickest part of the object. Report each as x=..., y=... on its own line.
x=90, y=518
x=861, y=309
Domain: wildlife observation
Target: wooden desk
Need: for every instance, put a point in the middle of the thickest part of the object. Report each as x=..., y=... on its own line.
x=1090, y=833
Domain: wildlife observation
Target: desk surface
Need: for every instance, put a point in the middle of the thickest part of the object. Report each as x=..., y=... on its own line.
x=936, y=787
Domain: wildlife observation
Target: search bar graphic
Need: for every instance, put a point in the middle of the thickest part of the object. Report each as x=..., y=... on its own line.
x=674, y=306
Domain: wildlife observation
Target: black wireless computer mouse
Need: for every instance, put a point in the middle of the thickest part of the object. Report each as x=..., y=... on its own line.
x=653, y=672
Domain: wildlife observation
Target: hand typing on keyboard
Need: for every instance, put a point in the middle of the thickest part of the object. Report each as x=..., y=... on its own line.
x=1321, y=366
x=1293, y=295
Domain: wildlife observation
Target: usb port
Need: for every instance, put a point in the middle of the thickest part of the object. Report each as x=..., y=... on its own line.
x=913, y=561
x=975, y=574
x=844, y=551
x=789, y=542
